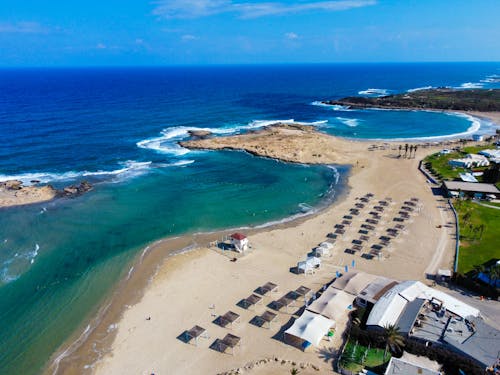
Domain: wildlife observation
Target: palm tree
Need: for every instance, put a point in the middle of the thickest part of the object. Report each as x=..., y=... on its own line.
x=394, y=340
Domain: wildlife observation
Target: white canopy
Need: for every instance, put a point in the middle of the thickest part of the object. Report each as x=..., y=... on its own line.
x=387, y=309
x=415, y=289
x=326, y=245
x=310, y=327
x=320, y=251
x=332, y=304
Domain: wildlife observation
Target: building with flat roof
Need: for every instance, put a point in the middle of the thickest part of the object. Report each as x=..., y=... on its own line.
x=412, y=365
x=473, y=189
x=432, y=316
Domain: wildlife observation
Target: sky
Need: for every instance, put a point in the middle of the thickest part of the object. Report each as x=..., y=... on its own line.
x=172, y=32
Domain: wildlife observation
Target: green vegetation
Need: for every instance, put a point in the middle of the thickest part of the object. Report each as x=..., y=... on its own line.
x=355, y=357
x=442, y=98
x=438, y=164
x=479, y=235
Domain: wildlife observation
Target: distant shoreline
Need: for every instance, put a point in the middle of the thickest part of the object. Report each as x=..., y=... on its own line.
x=445, y=99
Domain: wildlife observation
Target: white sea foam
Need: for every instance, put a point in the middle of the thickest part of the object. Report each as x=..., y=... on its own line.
x=334, y=107
x=13, y=267
x=374, y=92
x=167, y=143
x=420, y=88
x=351, y=122
x=130, y=169
x=493, y=78
x=471, y=85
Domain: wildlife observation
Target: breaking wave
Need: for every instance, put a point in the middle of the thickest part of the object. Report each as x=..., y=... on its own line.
x=374, y=92
x=130, y=169
x=167, y=142
x=420, y=88
x=471, y=85
x=335, y=107
x=351, y=122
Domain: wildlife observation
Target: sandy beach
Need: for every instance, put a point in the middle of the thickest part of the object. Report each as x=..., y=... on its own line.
x=141, y=330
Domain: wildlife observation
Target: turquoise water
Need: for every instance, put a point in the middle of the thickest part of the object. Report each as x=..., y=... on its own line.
x=86, y=243
x=119, y=129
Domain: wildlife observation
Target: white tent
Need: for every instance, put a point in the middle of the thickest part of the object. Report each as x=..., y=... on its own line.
x=333, y=304
x=310, y=327
x=309, y=265
x=387, y=310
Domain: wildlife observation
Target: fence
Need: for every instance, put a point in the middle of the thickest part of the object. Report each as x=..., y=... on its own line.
x=457, y=230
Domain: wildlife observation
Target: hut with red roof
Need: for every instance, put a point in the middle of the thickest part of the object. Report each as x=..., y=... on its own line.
x=240, y=242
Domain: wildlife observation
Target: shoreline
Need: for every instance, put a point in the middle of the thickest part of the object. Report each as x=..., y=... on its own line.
x=133, y=285
x=131, y=289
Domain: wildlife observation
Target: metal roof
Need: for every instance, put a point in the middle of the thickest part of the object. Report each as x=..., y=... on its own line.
x=471, y=186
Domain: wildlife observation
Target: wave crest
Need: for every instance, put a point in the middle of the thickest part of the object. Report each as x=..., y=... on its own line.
x=374, y=92
x=130, y=169
x=167, y=142
x=335, y=107
x=351, y=122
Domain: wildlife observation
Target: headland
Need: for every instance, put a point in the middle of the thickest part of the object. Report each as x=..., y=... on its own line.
x=438, y=99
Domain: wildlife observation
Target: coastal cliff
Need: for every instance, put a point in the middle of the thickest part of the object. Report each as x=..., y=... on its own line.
x=442, y=98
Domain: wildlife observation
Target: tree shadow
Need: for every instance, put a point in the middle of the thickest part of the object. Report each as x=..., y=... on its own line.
x=328, y=355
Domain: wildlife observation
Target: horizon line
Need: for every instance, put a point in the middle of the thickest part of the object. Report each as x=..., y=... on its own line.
x=243, y=64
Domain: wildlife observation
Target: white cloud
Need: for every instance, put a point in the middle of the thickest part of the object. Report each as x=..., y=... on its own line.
x=188, y=37
x=23, y=28
x=100, y=46
x=291, y=36
x=202, y=8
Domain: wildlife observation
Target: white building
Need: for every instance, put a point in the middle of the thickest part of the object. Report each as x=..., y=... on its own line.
x=240, y=242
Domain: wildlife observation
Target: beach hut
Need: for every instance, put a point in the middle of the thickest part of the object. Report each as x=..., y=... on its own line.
x=240, y=242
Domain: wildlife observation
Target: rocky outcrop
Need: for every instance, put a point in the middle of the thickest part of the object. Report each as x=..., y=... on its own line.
x=199, y=134
x=271, y=361
x=12, y=185
x=75, y=190
x=13, y=193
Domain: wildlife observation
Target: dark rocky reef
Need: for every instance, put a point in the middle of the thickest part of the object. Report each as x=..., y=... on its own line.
x=442, y=98
x=199, y=134
x=75, y=190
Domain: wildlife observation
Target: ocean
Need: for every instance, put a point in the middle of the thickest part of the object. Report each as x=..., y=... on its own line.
x=118, y=128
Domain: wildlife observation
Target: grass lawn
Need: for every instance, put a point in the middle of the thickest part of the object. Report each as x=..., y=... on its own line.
x=441, y=168
x=356, y=357
x=474, y=250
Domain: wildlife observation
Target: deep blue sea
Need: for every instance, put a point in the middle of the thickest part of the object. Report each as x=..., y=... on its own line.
x=119, y=127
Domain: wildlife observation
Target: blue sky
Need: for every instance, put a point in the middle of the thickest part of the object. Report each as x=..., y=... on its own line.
x=164, y=32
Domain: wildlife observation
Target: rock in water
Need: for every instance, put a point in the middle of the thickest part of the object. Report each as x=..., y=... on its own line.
x=199, y=134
